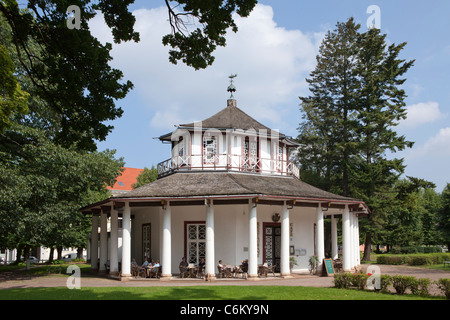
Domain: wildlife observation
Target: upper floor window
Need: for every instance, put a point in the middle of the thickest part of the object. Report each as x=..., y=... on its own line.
x=209, y=149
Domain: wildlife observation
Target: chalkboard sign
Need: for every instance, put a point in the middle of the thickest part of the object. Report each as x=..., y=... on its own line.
x=328, y=266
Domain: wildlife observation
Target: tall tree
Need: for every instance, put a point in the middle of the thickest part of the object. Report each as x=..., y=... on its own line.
x=326, y=135
x=444, y=216
x=381, y=107
x=349, y=118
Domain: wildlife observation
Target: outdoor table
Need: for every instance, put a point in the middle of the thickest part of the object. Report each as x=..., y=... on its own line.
x=192, y=271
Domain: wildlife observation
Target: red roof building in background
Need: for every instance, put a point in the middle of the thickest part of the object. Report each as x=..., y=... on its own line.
x=125, y=181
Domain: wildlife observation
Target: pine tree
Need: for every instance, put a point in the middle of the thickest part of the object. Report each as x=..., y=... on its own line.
x=356, y=101
x=381, y=106
x=326, y=135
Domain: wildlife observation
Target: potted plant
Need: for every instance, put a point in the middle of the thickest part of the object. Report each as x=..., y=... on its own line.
x=292, y=262
x=313, y=262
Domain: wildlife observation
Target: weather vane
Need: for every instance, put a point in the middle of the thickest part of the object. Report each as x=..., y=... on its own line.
x=231, y=87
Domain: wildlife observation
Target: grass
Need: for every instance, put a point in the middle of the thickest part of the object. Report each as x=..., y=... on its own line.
x=198, y=293
x=209, y=292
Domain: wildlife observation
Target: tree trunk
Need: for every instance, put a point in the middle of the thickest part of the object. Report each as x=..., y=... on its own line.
x=50, y=257
x=80, y=253
x=59, y=249
x=367, y=245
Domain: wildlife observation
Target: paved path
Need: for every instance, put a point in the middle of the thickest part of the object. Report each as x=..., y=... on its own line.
x=14, y=281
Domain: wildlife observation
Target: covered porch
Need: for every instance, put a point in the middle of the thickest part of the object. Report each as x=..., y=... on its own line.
x=256, y=226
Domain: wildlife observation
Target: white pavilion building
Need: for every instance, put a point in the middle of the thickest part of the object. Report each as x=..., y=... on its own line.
x=228, y=192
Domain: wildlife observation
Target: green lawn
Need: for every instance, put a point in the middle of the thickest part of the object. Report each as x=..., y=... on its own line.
x=197, y=293
x=213, y=292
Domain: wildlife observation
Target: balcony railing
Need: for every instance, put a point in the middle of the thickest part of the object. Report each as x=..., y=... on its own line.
x=228, y=162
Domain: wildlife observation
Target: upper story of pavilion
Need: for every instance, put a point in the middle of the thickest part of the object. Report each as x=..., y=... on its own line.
x=231, y=141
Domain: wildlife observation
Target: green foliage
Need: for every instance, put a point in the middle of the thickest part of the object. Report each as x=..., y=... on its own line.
x=68, y=68
x=43, y=187
x=146, y=176
x=420, y=287
x=12, y=99
x=194, y=46
x=413, y=259
x=401, y=283
x=444, y=285
x=443, y=216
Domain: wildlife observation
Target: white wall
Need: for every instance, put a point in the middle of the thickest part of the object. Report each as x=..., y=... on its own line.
x=231, y=232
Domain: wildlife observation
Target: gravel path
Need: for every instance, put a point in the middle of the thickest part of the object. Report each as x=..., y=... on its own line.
x=12, y=280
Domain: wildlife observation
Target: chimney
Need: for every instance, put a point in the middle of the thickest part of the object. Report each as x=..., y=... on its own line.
x=231, y=103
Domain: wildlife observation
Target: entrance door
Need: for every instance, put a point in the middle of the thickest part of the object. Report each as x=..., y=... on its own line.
x=195, y=244
x=272, y=245
x=146, y=241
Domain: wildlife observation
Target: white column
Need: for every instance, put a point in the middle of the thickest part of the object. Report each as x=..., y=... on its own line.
x=103, y=241
x=253, y=241
x=284, y=258
x=166, y=256
x=126, y=241
x=320, y=237
x=357, y=255
x=114, y=242
x=334, y=238
x=94, y=242
x=210, y=256
x=346, y=254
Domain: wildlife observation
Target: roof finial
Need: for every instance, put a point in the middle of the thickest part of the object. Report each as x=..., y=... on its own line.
x=231, y=87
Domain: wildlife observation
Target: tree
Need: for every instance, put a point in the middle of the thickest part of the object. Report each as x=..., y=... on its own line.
x=326, y=135
x=71, y=70
x=146, y=176
x=12, y=98
x=43, y=187
x=195, y=47
x=444, y=216
x=349, y=118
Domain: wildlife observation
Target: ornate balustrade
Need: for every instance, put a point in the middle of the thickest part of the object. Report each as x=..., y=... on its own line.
x=227, y=162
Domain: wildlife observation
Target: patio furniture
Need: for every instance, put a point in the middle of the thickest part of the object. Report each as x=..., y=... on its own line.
x=337, y=265
x=262, y=270
x=183, y=272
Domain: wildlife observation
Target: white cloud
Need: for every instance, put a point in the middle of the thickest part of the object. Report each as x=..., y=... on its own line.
x=421, y=113
x=271, y=63
x=436, y=146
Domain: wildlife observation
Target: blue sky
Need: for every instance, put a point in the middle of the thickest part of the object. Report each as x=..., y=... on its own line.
x=272, y=53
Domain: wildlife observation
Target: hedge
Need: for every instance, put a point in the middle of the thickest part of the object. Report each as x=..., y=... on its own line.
x=416, y=249
x=400, y=283
x=414, y=259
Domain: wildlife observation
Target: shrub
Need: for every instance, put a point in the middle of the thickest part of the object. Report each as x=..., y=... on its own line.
x=385, y=282
x=420, y=286
x=444, y=285
x=396, y=260
x=342, y=280
x=420, y=260
x=358, y=280
x=401, y=283
x=58, y=262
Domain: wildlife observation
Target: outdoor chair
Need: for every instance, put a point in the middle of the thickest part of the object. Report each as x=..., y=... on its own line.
x=338, y=265
x=221, y=272
x=200, y=272
x=156, y=272
x=183, y=272
x=242, y=270
x=271, y=269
